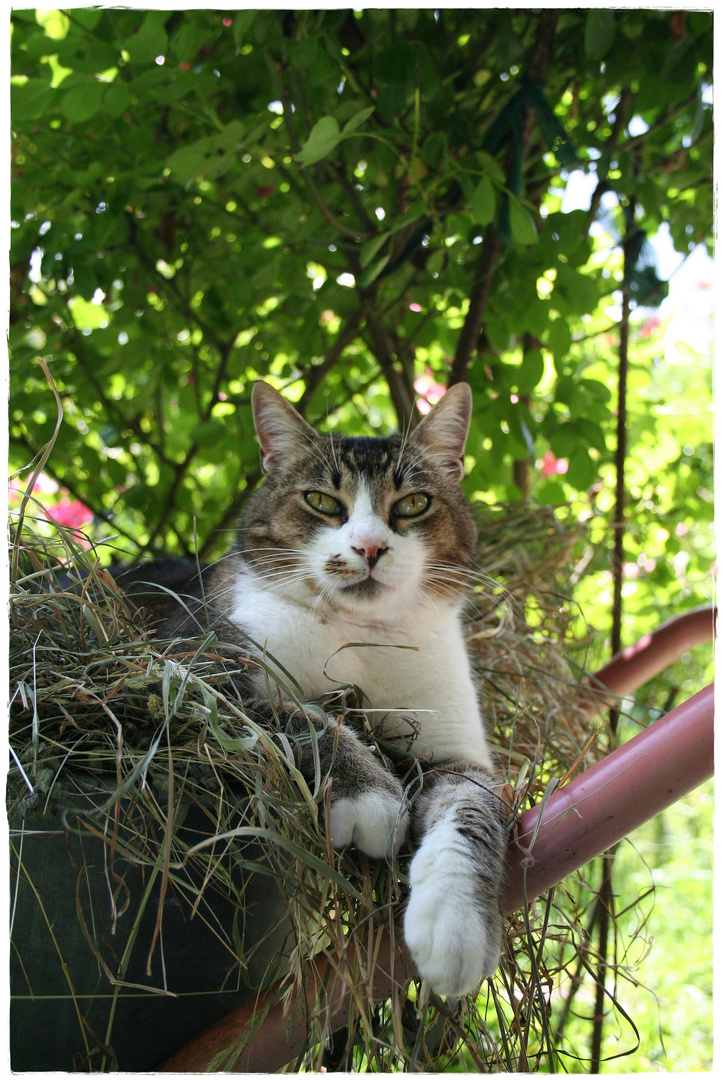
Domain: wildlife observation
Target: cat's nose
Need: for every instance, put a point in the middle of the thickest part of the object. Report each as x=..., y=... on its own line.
x=371, y=552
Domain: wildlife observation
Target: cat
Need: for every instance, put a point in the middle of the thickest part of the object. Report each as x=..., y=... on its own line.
x=352, y=542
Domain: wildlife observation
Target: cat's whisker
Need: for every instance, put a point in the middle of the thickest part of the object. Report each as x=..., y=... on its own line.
x=332, y=450
x=401, y=475
x=471, y=575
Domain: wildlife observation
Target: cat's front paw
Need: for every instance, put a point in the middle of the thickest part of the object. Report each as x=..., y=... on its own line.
x=374, y=820
x=453, y=938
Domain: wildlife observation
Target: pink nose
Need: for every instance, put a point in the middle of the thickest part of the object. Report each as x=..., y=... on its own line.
x=370, y=551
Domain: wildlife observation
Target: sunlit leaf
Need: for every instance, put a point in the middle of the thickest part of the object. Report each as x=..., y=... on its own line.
x=55, y=23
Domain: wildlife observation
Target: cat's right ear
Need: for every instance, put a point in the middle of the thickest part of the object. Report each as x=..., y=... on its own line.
x=280, y=430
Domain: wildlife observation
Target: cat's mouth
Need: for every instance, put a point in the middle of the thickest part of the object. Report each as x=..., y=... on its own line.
x=359, y=582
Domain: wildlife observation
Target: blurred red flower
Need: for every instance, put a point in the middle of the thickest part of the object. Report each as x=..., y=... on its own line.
x=553, y=466
x=71, y=513
x=429, y=390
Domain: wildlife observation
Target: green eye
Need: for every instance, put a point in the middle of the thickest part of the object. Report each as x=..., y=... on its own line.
x=411, y=505
x=325, y=504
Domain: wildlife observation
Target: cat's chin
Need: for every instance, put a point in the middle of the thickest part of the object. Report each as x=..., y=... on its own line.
x=369, y=599
x=363, y=598
x=367, y=589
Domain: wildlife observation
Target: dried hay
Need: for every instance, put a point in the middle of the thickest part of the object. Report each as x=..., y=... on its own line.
x=98, y=706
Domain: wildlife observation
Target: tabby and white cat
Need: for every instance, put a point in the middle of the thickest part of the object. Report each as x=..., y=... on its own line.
x=357, y=542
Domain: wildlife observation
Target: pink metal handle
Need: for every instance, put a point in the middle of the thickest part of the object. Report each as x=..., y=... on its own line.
x=611, y=799
x=653, y=653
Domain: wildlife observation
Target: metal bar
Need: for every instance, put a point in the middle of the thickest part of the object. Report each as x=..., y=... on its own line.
x=654, y=652
x=279, y=1041
x=612, y=798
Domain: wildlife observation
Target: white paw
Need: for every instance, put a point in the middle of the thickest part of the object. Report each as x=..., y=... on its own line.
x=452, y=942
x=376, y=822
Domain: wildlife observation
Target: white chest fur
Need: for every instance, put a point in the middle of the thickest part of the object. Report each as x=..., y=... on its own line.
x=417, y=666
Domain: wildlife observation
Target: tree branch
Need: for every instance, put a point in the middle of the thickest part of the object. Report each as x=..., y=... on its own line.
x=314, y=376
x=492, y=244
x=478, y=297
x=384, y=349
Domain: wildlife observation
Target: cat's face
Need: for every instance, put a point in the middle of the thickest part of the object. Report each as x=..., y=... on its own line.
x=364, y=526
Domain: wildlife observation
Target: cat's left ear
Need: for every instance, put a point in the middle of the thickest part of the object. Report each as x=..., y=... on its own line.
x=281, y=432
x=443, y=431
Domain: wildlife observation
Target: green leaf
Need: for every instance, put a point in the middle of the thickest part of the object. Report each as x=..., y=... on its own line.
x=324, y=71
x=87, y=316
x=489, y=165
x=230, y=137
x=578, y=292
x=434, y=149
x=559, y=338
x=374, y=271
x=599, y=32
x=117, y=99
x=150, y=40
x=31, y=99
x=371, y=247
x=55, y=23
x=303, y=53
x=241, y=26
x=581, y=470
x=679, y=63
x=324, y=137
x=531, y=371
x=564, y=440
x=552, y=493
x=88, y=18
x=498, y=333
x=210, y=156
x=482, y=202
x=523, y=229
x=190, y=38
x=394, y=65
x=357, y=120
x=591, y=434
x=535, y=319
x=595, y=389
x=83, y=101
x=209, y=432
x=187, y=163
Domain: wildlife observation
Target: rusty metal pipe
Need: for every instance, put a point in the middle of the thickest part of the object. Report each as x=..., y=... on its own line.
x=654, y=652
x=278, y=1041
x=612, y=798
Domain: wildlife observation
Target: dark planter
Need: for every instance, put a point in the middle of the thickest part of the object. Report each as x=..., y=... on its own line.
x=66, y=1013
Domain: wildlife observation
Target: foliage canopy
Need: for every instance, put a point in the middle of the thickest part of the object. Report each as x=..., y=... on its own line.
x=355, y=205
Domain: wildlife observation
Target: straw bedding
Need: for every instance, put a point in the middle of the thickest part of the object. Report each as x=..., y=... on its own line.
x=128, y=739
